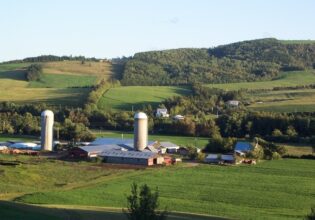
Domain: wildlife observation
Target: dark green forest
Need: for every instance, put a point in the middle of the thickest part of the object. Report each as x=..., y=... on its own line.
x=252, y=60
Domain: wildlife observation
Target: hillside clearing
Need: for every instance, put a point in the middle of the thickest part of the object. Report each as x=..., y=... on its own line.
x=135, y=97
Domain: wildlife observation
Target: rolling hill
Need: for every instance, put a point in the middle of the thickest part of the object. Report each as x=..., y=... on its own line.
x=243, y=61
x=63, y=83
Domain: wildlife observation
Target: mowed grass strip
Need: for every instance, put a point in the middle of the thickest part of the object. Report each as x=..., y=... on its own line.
x=280, y=189
x=295, y=78
x=135, y=97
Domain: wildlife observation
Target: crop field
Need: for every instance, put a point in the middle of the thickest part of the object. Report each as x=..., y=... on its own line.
x=134, y=97
x=296, y=78
x=200, y=142
x=279, y=189
x=63, y=83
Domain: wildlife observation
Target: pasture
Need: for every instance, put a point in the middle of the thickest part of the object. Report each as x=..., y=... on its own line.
x=200, y=142
x=301, y=100
x=279, y=189
x=135, y=97
x=288, y=79
x=63, y=83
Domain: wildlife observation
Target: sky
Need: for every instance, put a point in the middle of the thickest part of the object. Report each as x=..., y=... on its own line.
x=115, y=28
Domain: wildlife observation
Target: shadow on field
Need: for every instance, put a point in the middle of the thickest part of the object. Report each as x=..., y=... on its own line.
x=18, y=211
x=15, y=75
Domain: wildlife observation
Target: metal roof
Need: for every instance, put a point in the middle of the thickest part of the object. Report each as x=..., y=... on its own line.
x=212, y=156
x=128, y=154
x=227, y=157
x=243, y=146
x=101, y=148
x=167, y=144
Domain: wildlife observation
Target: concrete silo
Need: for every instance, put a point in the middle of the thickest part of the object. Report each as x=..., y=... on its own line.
x=140, y=131
x=47, y=123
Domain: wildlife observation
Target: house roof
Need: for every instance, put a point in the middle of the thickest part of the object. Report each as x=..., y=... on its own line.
x=212, y=156
x=128, y=154
x=243, y=146
x=227, y=157
x=169, y=145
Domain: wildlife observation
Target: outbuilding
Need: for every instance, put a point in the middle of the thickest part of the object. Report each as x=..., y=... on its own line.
x=132, y=157
x=212, y=158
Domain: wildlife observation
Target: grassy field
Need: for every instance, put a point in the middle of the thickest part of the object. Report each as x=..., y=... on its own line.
x=283, y=100
x=18, y=211
x=200, y=142
x=296, y=78
x=280, y=189
x=128, y=97
x=57, y=85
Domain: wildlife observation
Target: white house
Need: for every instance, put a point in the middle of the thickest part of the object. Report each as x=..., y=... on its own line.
x=233, y=103
x=162, y=112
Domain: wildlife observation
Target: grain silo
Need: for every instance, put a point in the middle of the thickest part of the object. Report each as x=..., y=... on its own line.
x=47, y=123
x=140, y=131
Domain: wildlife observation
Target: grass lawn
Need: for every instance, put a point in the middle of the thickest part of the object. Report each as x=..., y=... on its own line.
x=279, y=189
x=7, y=137
x=200, y=142
x=295, y=78
x=128, y=97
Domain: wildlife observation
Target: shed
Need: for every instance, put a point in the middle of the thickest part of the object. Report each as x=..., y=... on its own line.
x=212, y=158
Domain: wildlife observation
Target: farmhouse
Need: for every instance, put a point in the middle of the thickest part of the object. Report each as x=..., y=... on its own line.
x=170, y=147
x=162, y=112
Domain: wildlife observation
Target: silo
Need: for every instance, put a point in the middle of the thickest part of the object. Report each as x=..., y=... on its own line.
x=47, y=123
x=140, y=131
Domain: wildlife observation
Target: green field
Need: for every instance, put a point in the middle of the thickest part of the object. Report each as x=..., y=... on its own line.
x=63, y=81
x=128, y=97
x=296, y=78
x=62, y=84
x=301, y=100
x=200, y=142
x=280, y=189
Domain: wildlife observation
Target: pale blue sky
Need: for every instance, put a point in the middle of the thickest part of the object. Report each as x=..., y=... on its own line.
x=115, y=28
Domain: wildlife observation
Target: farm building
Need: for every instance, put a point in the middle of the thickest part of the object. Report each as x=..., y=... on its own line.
x=162, y=112
x=228, y=158
x=178, y=117
x=212, y=158
x=243, y=147
x=169, y=146
x=223, y=158
x=132, y=157
x=233, y=103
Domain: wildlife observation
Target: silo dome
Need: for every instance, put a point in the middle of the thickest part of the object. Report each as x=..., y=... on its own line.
x=140, y=131
x=47, y=123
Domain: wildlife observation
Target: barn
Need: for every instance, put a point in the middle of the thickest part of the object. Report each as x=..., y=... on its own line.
x=132, y=157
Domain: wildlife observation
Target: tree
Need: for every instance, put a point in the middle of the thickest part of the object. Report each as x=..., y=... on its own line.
x=142, y=205
x=34, y=72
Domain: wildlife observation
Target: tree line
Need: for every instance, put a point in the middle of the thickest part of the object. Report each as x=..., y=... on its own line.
x=244, y=61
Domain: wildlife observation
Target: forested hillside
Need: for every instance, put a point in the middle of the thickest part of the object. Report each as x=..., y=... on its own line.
x=243, y=61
